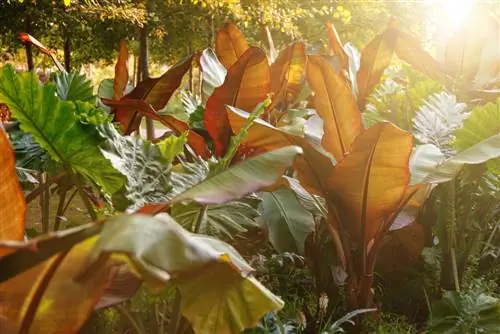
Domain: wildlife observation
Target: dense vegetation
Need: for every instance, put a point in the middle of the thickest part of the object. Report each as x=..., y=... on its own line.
x=306, y=190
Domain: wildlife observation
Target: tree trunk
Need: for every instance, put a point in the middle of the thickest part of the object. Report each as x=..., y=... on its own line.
x=67, y=54
x=143, y=66
x=29, y=49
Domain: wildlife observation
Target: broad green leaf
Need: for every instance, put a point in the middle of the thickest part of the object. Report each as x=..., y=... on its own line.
x=287, y=222
x=12, y=204
x=105, y=91
x=336, y=105
x=146, y=169
x=74, y=87
x=230, y=44
x=483, y=122
x=243, y=178
x=56, y=127
x=29, y=155
x=172, y=146
x=479, y=153
x=424, y=159
x=223, y=221
x=214, y=73
x=162, y=251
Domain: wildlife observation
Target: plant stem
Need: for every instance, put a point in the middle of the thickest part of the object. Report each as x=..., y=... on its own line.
x=202, y=216
x=454, y=268
x=45, y=204
x=60, y=209
x=175, y=315
x=123, y=311
x=83, y=196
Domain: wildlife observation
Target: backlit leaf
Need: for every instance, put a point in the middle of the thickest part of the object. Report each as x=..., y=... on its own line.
x=336, y=105
x=369, y=184
x=12, y=204
x=213, y=71
x=375, y=58
x=74, y=87
x=337, y=48
x=230, y=44
x=121, y=72
x=246, y=85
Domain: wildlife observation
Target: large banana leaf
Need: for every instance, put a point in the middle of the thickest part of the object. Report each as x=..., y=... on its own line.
x=74, y=87
x=287, y=73
x=336, y=105
x=12, y=204
x=287, y=222
x=55, y=126
x=162, y=251
x=230, y=44
x=368, y=186
x=375, y=58
x=245, y=86
x=155, y=91
x=424, y=159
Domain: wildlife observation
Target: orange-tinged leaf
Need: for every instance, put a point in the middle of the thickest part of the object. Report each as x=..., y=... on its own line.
x=143, y=108
x=313, y=167
x=369, y=185
x=230, y=44
x=155, y=91
x=287, y=74
x=50, y=291
x=336, y=105
x=409, y=49
x=246, y=85
x=337, y=48
x=12, y=204
x=121, y=71
x=464, y=49
x=375, y=58
x=27, y=38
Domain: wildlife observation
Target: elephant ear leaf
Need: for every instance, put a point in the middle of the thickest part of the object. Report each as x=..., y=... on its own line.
x=191, y=262
x=12, y=204
x=230, y=44
x=56, y=126
x=369, y=185
x=74, y=87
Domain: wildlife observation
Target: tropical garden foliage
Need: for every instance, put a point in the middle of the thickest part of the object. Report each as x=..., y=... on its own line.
x=305, y=190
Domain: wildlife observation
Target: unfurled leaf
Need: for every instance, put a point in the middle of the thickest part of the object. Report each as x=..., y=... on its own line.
x=375, y=58
x=230, y=44
x=246, y=85
x=409, y=49
x=12, y=204
x=436, y=121
x=27, y=38
x=243, y=178
x=146, y=169
x=155, y=91
x=287, y=222
x=354, y=63
x=172, y=146
x=223, y=221
x=338, y=49
x=121, y=72
x=269, y=43
x=464, y=49
x=479, y=153
x=162, y=251
x=213, y=71
x=56, y=127
x=368, y=186
x=336, y=105
x=74, y=87
x=287, y=74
